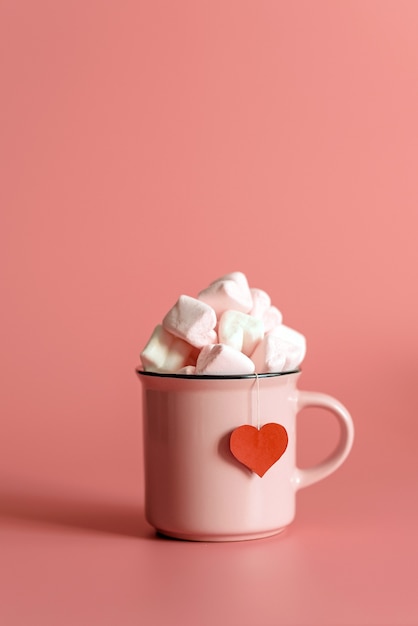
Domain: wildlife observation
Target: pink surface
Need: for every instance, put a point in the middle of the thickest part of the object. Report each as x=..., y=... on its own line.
x=194, y=487
x=147, y=148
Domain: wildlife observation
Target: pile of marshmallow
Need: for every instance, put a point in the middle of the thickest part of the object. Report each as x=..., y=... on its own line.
x=229, y=329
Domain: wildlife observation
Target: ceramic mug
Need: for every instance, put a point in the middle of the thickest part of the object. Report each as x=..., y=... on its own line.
x=220, y=453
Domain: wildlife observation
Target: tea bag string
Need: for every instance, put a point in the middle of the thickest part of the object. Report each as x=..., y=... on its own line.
x=257, y=400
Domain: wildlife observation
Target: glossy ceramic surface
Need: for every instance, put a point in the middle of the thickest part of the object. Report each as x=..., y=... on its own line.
x=195, y=488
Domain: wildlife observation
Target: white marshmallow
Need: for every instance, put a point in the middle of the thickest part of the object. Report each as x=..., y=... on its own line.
x=188, y=369
x=282, y=350
x=227, y=293
x=271, y=318
x=240, y=331
x=220, y=359
x=165, y=352
x=238, y=277
x=192, y=320
x=274, y=354
x=291, y=336
x=217, y=332
x=261, y=302
x=269, y=355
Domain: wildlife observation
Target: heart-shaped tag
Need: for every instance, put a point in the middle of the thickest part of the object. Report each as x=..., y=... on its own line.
x=258, y=449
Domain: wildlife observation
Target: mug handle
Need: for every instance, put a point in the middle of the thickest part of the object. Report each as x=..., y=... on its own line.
x=306, y=477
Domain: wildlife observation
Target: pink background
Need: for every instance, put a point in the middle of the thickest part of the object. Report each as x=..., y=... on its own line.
x=146, y=149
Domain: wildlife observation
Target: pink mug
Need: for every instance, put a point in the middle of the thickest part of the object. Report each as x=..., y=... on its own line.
x=220, y=453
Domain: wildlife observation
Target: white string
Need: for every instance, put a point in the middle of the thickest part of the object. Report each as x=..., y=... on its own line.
x=257, y=400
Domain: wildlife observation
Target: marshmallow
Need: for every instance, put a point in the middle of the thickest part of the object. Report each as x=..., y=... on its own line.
x=220, y=359
x=165, y=352
x=291, y=336
x=276, y=355
x=193, y=321
x=228, y=329
x=240, y=331
x=228, y=293
x=261, y=302
x=271, y=318
x=238, y=277
x=188, y=369
x=282, y=350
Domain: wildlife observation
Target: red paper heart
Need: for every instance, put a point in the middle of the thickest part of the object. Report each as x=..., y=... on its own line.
x=258, y=449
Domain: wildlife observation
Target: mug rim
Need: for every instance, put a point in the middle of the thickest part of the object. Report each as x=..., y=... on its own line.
x=142, y=372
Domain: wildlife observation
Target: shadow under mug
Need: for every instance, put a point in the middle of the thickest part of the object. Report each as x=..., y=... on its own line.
x=195, y=488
